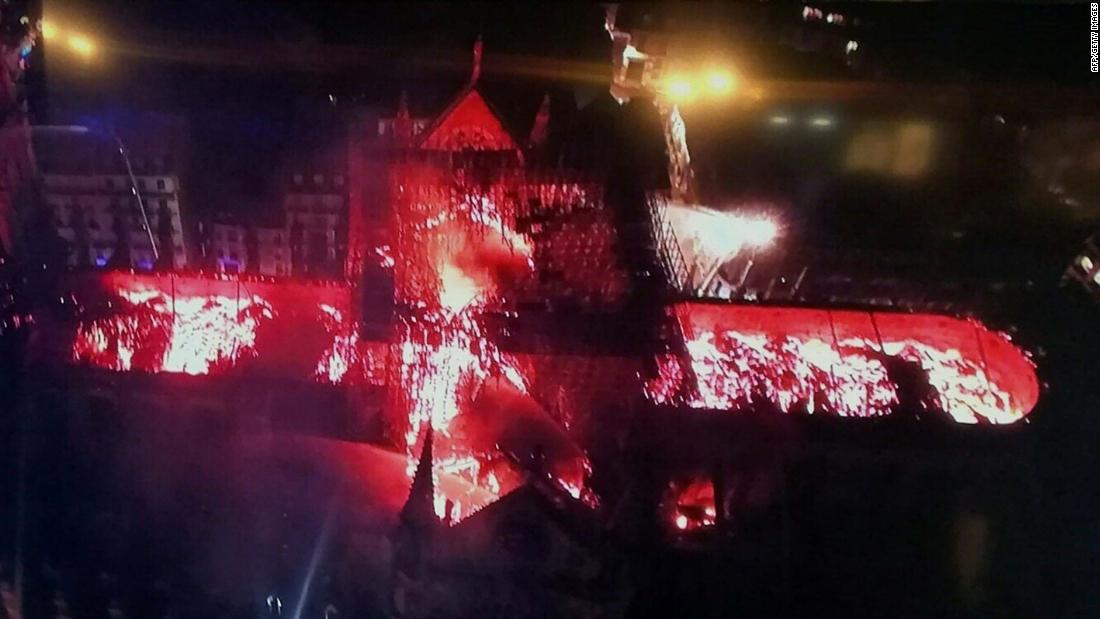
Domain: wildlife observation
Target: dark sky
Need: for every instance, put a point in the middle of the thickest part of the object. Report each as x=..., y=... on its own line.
x=167, y=52
x=240, y=70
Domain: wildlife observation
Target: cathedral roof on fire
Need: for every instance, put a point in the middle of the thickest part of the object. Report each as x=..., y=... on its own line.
x=469, y=122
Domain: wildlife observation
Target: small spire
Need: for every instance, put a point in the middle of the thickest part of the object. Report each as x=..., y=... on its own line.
x=419, y=508
x=542, y=121
x=402, y=122
x=403, y=105
x=477, y=61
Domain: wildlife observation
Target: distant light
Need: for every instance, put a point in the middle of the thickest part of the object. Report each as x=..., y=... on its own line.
x=759, y=232
x=779, y=120
x=679, y=88
x=1096, y=278
x=81, y=45
x=724, y=234
x=1085, y=262
x=49, y=30
x=681, y=522
x=720, y=82
x=851, y=46
x=821, y=121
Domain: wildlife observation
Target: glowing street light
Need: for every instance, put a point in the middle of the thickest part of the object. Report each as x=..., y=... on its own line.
x=82, y=45
x=759, y=232
x=728, y=234
x=679, y=88
x=720, y=82
x=49, y=30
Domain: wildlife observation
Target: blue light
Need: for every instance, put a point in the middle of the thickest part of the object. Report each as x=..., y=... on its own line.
x=101, y=261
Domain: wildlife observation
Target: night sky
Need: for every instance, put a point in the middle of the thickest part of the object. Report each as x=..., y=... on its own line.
x=242, y=72
x=189, y=51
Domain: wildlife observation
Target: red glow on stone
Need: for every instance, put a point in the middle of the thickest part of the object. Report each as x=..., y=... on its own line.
x=468, y=124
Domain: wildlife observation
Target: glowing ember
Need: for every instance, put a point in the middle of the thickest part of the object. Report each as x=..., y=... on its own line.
x=456, y=290
x=449, y=261
x=349, y=359
x=445, y=359
x=339, y=357
x=691, y=505
x=848, y=377
x=190, y=334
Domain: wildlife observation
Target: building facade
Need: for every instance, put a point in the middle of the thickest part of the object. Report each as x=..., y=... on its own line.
x=91, y=199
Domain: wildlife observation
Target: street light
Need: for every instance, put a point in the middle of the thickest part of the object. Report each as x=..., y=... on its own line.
x=679, y=88
x=79, y=43
x=82, y=45
x=720, y=82
x=49, y=30
x=727, y=238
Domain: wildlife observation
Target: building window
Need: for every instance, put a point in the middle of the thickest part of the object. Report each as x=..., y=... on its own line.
x=160, y=184
x=338, y=180
x=298, y=179
x=163, y=202
x=110, y=182
x=318, y=179
x=233, y=256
